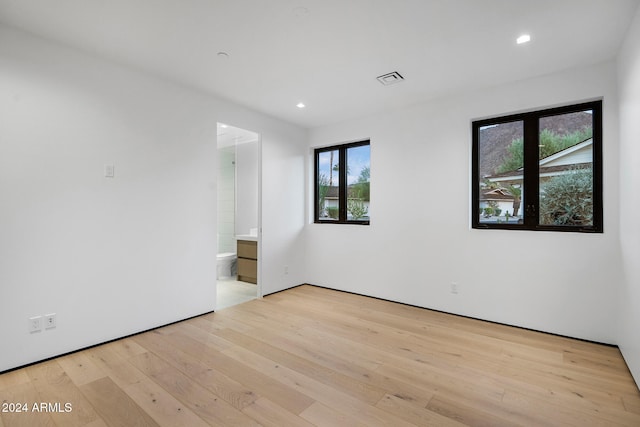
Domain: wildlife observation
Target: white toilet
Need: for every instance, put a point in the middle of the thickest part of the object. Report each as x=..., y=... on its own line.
x=226, y=263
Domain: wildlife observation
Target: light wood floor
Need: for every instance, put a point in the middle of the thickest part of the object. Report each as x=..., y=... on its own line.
x=311, y=356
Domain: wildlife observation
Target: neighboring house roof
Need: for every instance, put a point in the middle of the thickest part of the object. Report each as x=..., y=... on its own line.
x=332, y=192
x=578, y=156
x=497, y=194
x=578, y=153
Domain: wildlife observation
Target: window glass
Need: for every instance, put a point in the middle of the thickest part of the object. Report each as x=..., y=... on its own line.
x=342, y=184
x=328, y=182
x=566, y=169
x=501, y=171
x=539, y=170
x=358, y=183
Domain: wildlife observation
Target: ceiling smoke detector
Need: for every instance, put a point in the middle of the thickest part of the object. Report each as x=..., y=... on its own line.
x=390, y=78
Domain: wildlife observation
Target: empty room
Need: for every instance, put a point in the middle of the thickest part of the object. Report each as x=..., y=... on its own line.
x=329, y=213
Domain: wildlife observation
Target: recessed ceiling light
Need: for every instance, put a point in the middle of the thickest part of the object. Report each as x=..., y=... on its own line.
x=223, y=126
x=300, y=105
x=523, y=39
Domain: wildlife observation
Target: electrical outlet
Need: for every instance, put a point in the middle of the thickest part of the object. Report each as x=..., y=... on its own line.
x=35, y=324
x=454, y=287
x=50, y=321
x=286, y=269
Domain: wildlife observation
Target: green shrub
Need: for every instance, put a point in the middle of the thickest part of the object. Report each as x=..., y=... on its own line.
x=332, y=211
x=568, y=199
x=356, y=208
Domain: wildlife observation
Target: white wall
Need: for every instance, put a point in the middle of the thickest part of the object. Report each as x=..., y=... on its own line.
x=629, y=89
x=283, y=209
x=116, y=256
x=246, y=187
x=420, y=239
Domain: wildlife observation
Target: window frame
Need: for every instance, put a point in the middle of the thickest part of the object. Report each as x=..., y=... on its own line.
x=531, y=175
x=342, y=183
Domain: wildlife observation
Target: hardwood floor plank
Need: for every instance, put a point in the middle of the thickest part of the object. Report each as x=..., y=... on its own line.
x=329, y=396
x=80, y=368
x=13, y=379
x=127, y=347
x=211, y=340
x=220, y=319
x=310, y=343
x=467, y=415
x=441, y=383
x=562, y=378
x=323, y=349
x=23, y=394
x=554, y=413
x=164, y=408
x=393, y=339
x=56, y=388
x=611, y=365
x=259, y=312
x=418, y=359
x=260, y=383
x=209, y=406
x=115, y=407
x=415, y=315
x=206, y=322
x=269, y=414
x=322, y=415
x=114, y=364
x=344, y=357
x=416, y=414
x=578, y=404
x=435, y=335
x=232, y=391
x=357, y=389
x=567, y=381
x=632, y=403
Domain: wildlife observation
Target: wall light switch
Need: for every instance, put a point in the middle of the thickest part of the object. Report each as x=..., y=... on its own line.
x=109, y=171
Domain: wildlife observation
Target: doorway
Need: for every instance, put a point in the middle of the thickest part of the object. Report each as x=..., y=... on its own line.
x=238, y=264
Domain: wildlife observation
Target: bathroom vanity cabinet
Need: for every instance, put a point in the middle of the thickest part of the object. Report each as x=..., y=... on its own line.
x=248, y=261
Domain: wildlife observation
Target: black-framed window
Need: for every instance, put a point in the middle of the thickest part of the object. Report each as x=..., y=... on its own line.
x=342, y=184
x=540, y=170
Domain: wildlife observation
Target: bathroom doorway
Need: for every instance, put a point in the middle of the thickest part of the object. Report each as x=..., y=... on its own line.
x=238, y=264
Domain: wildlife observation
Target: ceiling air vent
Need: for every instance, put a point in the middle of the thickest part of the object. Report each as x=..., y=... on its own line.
x=390, y=78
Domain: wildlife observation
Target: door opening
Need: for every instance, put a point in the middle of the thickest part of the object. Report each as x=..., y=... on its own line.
x=238, y=223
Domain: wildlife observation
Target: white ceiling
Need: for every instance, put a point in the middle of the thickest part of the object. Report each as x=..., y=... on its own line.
x=328, y=53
